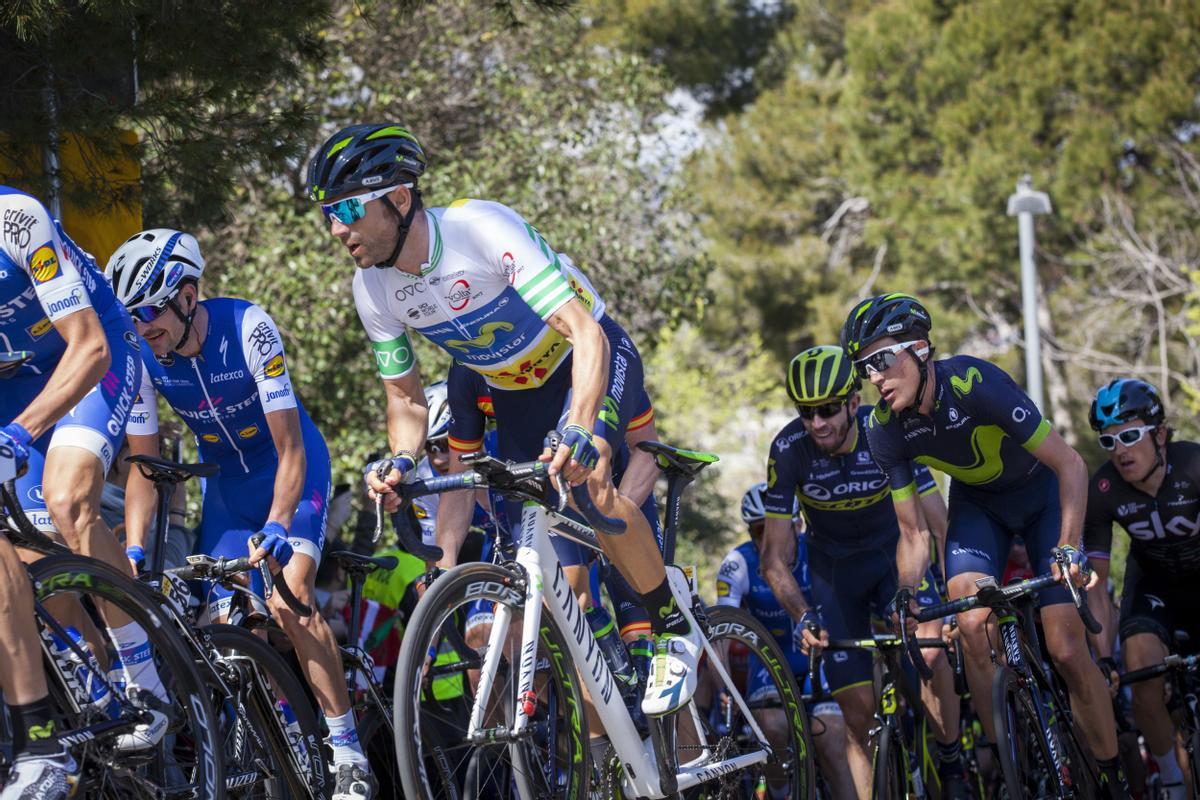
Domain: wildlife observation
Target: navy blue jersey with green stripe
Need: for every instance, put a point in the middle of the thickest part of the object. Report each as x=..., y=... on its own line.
x=982, y=431
x=845, y=497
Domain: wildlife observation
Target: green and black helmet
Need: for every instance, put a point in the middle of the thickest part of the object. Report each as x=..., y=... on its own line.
x=900, y=316
x=820, y=374
x=363, y=157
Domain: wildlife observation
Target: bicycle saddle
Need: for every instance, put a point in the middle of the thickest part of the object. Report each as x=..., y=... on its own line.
x=348, y=560
x=161, y=469
x=669, y=458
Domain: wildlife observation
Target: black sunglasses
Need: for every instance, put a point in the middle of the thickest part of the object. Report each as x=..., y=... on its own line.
x=437, y=446
x=826, y=410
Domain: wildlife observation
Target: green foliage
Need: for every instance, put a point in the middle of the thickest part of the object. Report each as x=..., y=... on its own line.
x=565, y=132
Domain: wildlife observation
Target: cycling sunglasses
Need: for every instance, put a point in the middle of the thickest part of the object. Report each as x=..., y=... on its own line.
x=883, y=359
x=825, y=410
x=148, y=314
x=351, y=209
x=1128, y=437
x=440, y=445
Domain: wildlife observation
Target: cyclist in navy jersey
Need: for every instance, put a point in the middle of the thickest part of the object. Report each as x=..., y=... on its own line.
x=821, y=459
x=1150, y=486
x=740, y=584
x=1010, y=474
x=220, y=365
x=63, y=412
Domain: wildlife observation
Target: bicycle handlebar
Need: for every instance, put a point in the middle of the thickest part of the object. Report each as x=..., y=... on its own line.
x=275, y=582
x=1171, y=662
x=911, y=649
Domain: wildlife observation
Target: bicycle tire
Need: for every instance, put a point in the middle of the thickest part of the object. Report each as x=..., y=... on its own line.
x=889, y=766
x=192, y=766
x=292, y=778
x=376, y=733
x=1026, y=763
x=434, y=755
x=796, y=756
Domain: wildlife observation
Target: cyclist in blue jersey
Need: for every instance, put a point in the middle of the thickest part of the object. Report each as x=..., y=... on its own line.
x=741, y=584
x=1010, y=474
x=1150, y=486
x=63, y=412
x=821, y=460
x=480, y=282
x=220, y=365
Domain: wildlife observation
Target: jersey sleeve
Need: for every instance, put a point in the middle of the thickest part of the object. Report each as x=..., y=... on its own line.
x=389, y=336
x=643, y=414
x=882, y=430
x=783, y=475
x=521, y=254
x=1000, y=401
x=923, y=479
x=733, y=580
x=263, y=350
x=143, y=417
x=1098, y=521
x=467, y=420
x=1191, y=462
x=31, y=241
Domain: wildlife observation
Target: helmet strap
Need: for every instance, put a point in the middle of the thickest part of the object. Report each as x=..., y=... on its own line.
x=187, y=321
x=1158, y=460
x=923, y=381
x=402, y=227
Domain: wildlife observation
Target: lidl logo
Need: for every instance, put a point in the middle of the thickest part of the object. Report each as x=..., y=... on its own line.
x=39, y=329
x=43, y=264
x=246, y=433
x=275, y=366
x=211, y=437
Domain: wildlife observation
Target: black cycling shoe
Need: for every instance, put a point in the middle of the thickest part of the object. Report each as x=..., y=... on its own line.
x=354, y=783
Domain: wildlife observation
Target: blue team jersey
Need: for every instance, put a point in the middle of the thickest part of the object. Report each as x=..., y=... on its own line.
x=225, y=392
x=845, y=497
x=740, y=584
x=982, y=431
x=44, y=276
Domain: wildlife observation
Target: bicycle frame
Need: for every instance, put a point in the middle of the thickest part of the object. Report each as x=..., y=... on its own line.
x=547, y=587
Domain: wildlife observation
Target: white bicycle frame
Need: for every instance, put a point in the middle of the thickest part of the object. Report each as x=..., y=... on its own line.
x=547, y=582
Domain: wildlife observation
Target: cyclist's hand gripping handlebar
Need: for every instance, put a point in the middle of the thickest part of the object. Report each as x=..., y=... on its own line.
x=583, y=499
x=903, y=614
x=276, y=582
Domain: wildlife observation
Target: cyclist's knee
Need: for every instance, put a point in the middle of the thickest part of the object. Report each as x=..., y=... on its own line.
x=1070, y=656
x=973, y=633
x=72, y=508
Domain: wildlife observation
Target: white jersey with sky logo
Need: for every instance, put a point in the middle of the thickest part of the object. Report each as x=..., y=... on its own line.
x=484, y=295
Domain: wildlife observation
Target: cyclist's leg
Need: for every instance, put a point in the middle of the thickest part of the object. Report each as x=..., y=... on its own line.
x=976, y=547
x=1065, y=636
x=1145, y=632
x=40, y=759
x=841, y=588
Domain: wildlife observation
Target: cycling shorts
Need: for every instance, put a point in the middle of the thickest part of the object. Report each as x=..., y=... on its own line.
x=96, y=423
x=1152, y=603
x=847, y=591
x=983, y=524
x=237, y=507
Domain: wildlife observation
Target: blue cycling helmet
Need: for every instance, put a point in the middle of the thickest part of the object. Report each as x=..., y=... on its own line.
x=1125, y=399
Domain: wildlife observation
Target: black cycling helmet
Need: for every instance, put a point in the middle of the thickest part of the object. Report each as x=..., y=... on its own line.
x=1125, y=399
x=364, y=157
x=900, y=316
x=820, y=374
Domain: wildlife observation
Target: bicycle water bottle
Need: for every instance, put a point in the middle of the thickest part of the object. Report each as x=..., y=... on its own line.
x=91, y=692
x=614, y=652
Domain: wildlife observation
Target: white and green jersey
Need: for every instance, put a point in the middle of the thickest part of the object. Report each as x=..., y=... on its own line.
x=483, y=296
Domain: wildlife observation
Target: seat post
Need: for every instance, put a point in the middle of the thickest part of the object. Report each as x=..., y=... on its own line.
x=677, y=481
x=356, y=586
x=165, y=489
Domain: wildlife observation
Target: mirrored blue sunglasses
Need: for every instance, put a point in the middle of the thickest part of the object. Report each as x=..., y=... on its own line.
x=351, y=209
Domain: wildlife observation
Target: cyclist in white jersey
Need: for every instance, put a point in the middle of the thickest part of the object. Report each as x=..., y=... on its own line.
x=480, y=282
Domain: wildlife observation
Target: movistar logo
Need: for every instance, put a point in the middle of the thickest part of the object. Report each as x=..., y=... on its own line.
x=41, y=731
x=486, y=337
x=610, y=415
x=962, y=386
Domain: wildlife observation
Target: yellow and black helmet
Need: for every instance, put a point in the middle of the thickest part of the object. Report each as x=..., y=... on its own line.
x=820, y=374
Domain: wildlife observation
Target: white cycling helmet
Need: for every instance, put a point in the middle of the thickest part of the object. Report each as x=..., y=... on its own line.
x=148, y=269
x=437, y=397
x=753, y=507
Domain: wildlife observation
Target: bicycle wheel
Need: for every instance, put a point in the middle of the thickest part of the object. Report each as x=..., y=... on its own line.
x=262, y=759
x=434, y=695
x=1025, y=757
x=378, y=737
x=185, y=762
x=778, y=709
x=889, y=768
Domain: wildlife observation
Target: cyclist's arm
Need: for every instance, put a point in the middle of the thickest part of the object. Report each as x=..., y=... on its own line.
x=407, y=415
x=289, y=474
x=589, y=361
x=1101, y=605
x=933, y=506
x=140, y=495
x=81, y=367
x=778, y=555
x=641, y=472
x=1072, y=484
x=912, y=551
